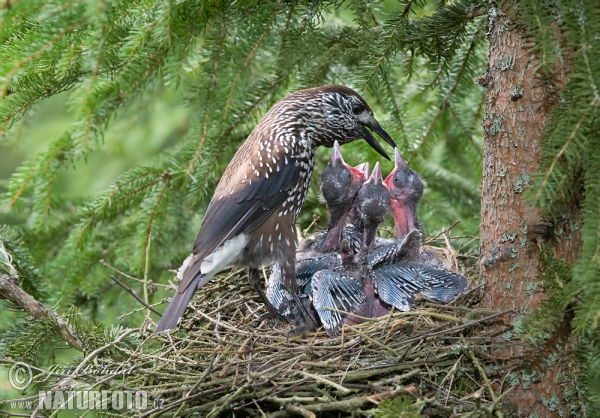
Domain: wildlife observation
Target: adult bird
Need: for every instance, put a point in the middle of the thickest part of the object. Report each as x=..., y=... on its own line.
x=250, y=220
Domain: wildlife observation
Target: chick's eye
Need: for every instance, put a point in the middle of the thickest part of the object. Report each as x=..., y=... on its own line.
x=356, y=109
x=398, y=179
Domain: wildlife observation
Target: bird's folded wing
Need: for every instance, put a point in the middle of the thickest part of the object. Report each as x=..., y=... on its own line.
x=241, y=211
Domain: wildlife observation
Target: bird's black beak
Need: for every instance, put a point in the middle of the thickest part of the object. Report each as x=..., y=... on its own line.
x=376, y=127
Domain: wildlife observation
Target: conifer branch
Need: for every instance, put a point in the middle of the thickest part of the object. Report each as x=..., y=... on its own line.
x=444, y=103
x=475, y=146
x=397, y=113
x=549, y=172
x=211, y=90
x=36, y=54
x=249, y=58
x=398, y=26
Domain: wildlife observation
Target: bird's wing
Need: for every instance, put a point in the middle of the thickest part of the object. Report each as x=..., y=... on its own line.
x=395, y=285
x=240, y=209
x=282, y=299
x=443, y=284
x=307, y=267
x=398, y=283
x=333, y=294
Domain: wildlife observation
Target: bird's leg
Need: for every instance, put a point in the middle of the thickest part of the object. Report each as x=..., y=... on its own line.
x=254, y=279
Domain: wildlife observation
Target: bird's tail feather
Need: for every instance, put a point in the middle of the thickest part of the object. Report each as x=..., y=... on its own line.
x=177, y=307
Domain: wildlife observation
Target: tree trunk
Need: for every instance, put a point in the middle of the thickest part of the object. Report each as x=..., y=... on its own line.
x=519, y=101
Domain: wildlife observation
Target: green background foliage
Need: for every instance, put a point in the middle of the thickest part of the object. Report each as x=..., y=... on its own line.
x=159, y=95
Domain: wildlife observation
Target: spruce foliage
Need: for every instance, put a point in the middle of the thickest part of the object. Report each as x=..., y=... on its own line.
x=228, y=62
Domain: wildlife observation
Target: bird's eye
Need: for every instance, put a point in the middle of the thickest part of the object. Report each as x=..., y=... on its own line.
x=356, y=109
x=398, y=179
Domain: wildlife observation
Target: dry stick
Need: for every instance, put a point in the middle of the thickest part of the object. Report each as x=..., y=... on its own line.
x=229, y=327
x=299, y=411
x=215, y=412
x=249, y=384
x=451, y=252
x=444, y=231
x=259, y=408
x=172, y=405
x=72, y=394
x=134, y=294
x=450, y=373
x=120, y=317
x=10, y=289
x=387, y=323
x=315, y=220
x=218, y=318
x=495, y=403
x=486, y=381
x=461, y=296
x=206, y=372
x=272, y=396
x=146, y=274
x=396, y=315
x=446, y=307
x=349, y=365
x=352, y=404
x=380, y=344
x=458, y=328
x=105, y=264
x=325, y=381
x=12, y=414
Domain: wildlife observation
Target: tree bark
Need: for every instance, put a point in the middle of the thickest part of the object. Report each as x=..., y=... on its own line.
x=519, y=102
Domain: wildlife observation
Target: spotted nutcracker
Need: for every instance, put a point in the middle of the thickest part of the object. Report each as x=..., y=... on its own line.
x=250, y=219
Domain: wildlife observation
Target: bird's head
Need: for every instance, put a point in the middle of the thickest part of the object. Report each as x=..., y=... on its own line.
x=404, y=184
x=340, y=182
x=373, y=198
x=348, y=117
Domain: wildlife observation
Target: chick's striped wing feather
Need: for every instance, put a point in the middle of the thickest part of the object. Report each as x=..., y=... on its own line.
x=333, y=294
x=397, y=284
x=241, y=211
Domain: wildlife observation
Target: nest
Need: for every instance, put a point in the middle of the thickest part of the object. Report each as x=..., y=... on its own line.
x=224, y=361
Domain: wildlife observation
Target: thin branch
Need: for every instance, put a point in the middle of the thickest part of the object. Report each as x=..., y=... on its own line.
x=134, y=294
